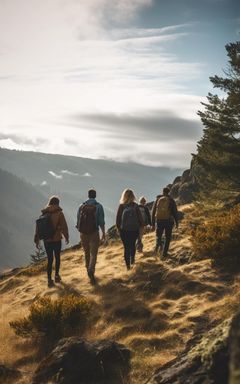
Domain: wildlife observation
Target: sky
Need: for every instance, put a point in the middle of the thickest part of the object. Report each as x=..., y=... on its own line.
x=119, y=79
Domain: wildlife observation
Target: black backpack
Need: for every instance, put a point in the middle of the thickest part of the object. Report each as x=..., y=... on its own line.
x=45, y=228
x=87, y=222
x=130, y=221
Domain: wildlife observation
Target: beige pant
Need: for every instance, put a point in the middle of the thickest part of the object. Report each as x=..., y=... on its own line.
x=90, y=244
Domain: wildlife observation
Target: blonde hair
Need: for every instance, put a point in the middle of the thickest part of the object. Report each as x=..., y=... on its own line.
x=127, y=197
x=142, y=200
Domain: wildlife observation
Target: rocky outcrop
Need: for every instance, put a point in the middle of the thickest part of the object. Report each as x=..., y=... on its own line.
x=183, y=188
x=214, y=359
x=77, y=361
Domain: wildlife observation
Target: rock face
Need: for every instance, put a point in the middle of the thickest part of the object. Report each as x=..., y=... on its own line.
x=205, y=363
x=77, y=361
x=215, y=359
x=183, y=188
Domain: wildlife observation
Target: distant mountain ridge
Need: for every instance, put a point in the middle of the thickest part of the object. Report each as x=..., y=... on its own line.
x=70, y=177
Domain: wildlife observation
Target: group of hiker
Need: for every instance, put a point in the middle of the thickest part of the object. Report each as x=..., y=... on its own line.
x=132, y=220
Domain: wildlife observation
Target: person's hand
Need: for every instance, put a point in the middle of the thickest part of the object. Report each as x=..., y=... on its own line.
x=103, y=238
x=37, y=244
x=153, y=228
x=67, y=241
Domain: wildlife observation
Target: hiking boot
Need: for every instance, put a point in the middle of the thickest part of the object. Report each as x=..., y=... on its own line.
x=50, y=283
x=92, y=278
x=58, y=279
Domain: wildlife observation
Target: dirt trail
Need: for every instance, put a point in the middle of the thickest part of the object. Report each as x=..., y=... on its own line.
x=154, y=309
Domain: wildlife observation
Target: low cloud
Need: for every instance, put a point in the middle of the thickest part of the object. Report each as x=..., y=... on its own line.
x=55, y=175
x=67, y=172
x=87, y=174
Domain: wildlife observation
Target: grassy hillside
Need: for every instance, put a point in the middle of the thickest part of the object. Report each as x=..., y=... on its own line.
x=18, y=206
x=154, y=309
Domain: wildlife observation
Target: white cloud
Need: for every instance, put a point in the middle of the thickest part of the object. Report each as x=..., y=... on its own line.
x=69, y=172
x=43, y=183
x=55, y=175
x=69, y=59
x=87, y=174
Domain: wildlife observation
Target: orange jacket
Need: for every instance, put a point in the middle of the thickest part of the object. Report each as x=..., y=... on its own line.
x=59, y=222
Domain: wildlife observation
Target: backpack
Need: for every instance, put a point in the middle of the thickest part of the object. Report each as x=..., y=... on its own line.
x=163, y=210
x=144, y=215
x=45, y=227
x=87, y=222
x=130, y=221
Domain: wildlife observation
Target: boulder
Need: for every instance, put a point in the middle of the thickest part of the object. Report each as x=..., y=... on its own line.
x=76, y=361
x=203, y=362
x=185, y=193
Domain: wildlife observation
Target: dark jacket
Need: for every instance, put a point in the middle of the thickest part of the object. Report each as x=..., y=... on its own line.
x=173, y=210
x=148, y=216
x=120, y=212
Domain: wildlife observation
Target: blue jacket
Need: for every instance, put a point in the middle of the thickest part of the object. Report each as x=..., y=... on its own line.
x=99, y=212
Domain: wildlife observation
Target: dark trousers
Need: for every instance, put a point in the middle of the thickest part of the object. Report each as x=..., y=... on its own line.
x=129, y=242
x=53, y=248
x=166, y=227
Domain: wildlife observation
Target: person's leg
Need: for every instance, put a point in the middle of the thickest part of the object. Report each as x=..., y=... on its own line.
x=57, y=245
x=49, y=251
x=132, y=244
x=94, y=245
x=168, y=235
x=139, y=244
x=125, y=239
x=159, y=232
x=86, y=248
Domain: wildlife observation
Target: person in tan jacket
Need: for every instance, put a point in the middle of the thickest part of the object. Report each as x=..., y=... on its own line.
x=53, y=245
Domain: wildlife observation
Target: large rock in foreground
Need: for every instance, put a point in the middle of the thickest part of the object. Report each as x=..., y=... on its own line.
x=205, y=363
x=76, y=361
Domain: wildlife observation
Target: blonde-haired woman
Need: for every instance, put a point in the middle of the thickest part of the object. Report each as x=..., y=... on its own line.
x=129, y=221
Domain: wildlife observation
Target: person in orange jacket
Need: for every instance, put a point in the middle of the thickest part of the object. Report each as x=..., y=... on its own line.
x=53, y=244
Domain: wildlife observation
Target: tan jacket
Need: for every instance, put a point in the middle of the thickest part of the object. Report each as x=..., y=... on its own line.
x=59, y=222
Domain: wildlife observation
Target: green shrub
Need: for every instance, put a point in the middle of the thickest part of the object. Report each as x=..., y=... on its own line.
x=54, y=318
x=219, y=238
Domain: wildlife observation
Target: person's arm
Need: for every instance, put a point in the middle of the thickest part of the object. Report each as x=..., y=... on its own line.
x=119, y=216
x=78, y=216
x=36, y=237
x=154, y=212
x=101, y=220
x=140, y=218
x=174, y=211
x=148, y=215
x=64, y=227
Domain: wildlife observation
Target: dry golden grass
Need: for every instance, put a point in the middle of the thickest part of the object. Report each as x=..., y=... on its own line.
x=154, y=309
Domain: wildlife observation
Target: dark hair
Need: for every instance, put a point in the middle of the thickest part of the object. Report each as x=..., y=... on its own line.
x=54, y=200
x=92, y=193
x=166, y=191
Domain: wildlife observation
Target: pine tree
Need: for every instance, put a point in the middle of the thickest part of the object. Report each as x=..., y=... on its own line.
x=217, y=162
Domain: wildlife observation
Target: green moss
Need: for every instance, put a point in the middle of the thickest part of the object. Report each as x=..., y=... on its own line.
x=211, y=344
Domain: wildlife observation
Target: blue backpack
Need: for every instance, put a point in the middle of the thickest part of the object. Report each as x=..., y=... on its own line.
x=130, y=220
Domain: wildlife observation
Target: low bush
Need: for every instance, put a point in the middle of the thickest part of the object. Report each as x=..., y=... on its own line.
x=54, y=318
x=219, y=238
